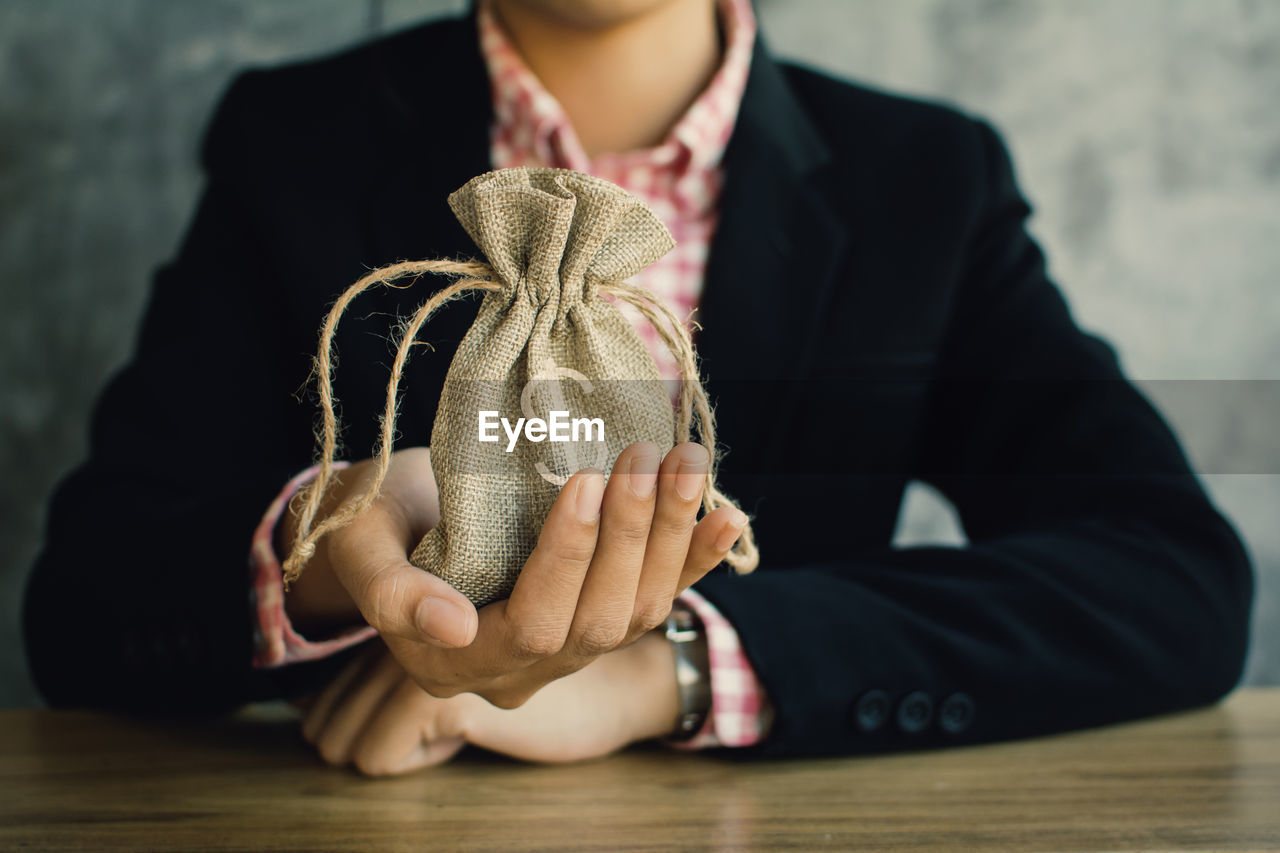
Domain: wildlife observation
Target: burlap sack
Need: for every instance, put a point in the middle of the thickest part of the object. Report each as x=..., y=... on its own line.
x=545, y=341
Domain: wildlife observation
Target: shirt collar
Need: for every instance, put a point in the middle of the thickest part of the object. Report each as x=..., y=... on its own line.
x=536, y=124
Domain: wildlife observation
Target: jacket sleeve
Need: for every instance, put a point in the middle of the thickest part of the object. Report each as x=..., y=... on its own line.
x=140, y=597
x=1098, y=583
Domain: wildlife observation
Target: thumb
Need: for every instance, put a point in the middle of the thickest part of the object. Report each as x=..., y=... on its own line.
x=395, y=596
x=403, y=600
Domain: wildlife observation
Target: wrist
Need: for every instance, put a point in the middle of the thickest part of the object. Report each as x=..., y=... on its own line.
x=657, y=700
x=687, y=637
x=316, y=602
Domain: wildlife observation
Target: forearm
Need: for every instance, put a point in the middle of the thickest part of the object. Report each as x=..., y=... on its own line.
x=139, y=600
x=1091, y=623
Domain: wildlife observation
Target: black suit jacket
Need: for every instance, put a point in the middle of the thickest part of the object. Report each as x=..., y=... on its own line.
x=874, y=312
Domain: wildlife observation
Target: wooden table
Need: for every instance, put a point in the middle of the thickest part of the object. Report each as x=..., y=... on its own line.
x=1203, y=780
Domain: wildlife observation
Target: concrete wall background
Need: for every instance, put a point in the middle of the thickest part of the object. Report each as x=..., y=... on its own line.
x=1146, y=132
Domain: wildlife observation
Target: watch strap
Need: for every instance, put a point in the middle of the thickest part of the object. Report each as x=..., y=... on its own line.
x=688, y=640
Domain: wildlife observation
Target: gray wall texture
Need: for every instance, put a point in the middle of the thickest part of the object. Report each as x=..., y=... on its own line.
x=1146, y=132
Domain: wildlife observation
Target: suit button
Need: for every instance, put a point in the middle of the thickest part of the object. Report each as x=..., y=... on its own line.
x=956, y=713
x=871, y=710
x=914, y=712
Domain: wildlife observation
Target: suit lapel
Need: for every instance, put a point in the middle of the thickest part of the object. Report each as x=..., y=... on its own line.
x=436, y=99
x=433, y=113
x=773, y=261
x=777, y=247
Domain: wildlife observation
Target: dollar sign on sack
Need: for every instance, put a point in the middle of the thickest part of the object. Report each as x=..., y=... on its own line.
x=576, y=456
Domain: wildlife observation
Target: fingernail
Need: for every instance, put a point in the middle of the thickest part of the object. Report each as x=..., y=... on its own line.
x=440, y=618
x=590, y=493
x=732, y=530
x=691, y=473
x=643, y=473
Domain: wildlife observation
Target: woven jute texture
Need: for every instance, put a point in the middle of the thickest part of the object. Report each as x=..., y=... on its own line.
x=552, y=237
x=546, y=340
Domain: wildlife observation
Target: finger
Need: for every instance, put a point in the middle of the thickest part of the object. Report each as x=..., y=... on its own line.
x=538, y=614
x=393, y=595
x=603, y=615
x=712, y=539
x=429, y=755
x=318, y=714
x=403, y=736
x=683, y=475
x=357, y=708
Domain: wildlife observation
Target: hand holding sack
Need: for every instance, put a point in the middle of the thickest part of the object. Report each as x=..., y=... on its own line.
x=545, y=345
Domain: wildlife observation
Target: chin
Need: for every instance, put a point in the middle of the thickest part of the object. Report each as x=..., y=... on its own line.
x=593, y=14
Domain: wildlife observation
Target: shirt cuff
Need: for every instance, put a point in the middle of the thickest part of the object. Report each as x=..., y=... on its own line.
x=275, y=643
x=740, y=710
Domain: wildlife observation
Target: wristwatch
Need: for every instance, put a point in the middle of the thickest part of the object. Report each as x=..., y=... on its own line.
x=688, y=641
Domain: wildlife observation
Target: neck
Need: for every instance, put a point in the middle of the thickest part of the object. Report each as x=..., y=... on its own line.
x=623, y=84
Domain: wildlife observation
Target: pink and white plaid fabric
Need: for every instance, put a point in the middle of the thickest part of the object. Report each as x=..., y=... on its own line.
x=681, y=180
x=275, y=642
x=740, y=710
